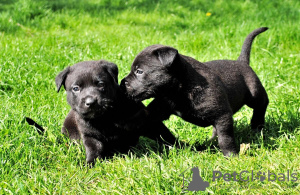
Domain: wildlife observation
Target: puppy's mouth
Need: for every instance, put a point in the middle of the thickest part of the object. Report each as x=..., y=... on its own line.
x=141, y=96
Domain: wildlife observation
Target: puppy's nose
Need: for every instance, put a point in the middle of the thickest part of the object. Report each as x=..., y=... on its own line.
x=124, y=84
x=89, y=101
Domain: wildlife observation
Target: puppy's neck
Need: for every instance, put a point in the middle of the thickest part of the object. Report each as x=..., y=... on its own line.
x=186, y=75
x=94, y=121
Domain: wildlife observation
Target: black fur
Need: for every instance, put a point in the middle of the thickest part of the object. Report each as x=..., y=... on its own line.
x=204, y=94
x=99, y=108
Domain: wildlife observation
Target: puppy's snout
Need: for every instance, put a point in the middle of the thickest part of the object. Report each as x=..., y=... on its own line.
x=124, y=84
x=89, y=101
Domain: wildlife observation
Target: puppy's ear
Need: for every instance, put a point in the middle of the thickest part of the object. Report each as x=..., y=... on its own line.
x=61, y=77
x=112, y=69
x=166, y=55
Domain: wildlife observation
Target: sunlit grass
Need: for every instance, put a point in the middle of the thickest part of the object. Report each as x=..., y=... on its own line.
x=39, y=38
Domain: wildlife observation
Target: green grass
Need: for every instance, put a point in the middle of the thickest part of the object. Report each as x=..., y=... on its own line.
x=39, y=38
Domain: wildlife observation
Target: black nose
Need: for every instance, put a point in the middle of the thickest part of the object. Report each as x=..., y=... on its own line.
x=124, y=84
x=89, y=101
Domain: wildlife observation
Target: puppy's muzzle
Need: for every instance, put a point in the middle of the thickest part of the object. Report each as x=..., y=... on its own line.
x=124, y=85
x=89, y=101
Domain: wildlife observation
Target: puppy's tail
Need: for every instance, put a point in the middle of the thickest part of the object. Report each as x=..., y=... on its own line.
x=39, y=128
x=245, y=54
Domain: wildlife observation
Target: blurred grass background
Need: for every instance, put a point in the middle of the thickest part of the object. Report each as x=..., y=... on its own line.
x=38, y=39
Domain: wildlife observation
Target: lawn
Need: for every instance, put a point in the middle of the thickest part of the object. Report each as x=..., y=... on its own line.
x=38, y=39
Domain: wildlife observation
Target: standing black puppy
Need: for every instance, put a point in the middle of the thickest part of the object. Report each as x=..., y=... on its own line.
x=201, y=93
x=99, y=108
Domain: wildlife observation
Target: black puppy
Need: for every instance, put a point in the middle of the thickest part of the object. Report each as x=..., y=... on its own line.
x=201, y=93
x=99, y=108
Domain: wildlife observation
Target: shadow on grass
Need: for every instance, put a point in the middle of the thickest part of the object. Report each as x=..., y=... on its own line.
x=275, y=128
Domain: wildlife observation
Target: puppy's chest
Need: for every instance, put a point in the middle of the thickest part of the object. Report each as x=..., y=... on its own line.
x=181, y=108
x=194, y=116
x=186, y=102
x=103, y=130
x=191, y=109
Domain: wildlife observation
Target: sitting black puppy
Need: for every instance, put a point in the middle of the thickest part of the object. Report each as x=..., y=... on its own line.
x=99, y=108
x=201, y=93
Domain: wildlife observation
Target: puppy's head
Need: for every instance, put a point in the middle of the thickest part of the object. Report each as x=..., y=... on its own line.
x=91, y=87
x=151, y=72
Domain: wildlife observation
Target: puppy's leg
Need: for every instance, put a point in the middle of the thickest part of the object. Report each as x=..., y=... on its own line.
x=93, y=149
x=157, y=110
x=224, y=127
x=158, y=131
x=258, y=118
x=259, y=103
x=70, y=128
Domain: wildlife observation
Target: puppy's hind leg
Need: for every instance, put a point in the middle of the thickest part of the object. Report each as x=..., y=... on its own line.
x=259, y=103
x=258, y=118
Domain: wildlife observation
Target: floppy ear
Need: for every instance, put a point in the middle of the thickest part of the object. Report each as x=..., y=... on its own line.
x=112, y=69
x=166, y=55
x=61, y=77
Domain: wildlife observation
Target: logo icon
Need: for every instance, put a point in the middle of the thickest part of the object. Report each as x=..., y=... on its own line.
x=194, y=183
x=261, y=176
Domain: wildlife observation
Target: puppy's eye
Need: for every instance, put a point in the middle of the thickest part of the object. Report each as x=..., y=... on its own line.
x=100, y=84
x=138, y=71
x=75, y=88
